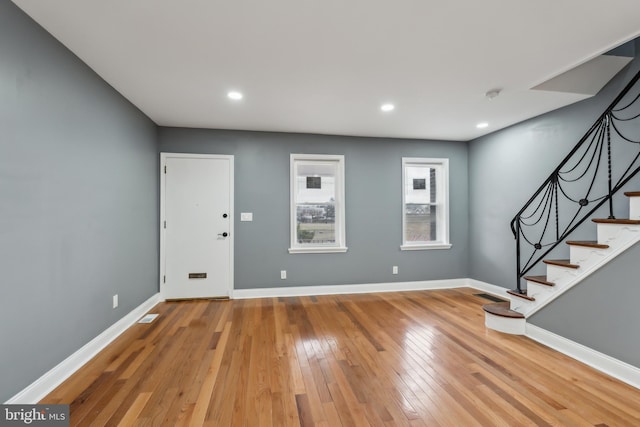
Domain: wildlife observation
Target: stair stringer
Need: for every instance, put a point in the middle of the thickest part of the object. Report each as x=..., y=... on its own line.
x=619, y=237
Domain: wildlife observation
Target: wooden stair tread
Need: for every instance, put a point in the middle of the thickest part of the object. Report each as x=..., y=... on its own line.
x=632, y=193
x=523, y=296
x=560, y=263
x=587, y=243
x=539, y=279
x=616, y=221
x=502, y=309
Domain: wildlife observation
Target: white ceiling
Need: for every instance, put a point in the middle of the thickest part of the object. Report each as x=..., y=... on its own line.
x=326, y=66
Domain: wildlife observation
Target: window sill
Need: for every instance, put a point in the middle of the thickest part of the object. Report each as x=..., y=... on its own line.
x=426, y=246
x=318, y=250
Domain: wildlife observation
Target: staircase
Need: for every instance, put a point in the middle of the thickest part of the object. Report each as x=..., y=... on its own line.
x=614, y=237
x=605, y=159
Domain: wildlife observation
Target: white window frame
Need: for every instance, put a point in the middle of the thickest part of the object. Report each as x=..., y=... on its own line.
x=442, y=200
x=340, y=236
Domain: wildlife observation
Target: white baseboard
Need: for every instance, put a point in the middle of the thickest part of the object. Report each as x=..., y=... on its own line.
x=607, y=364
x=50, y=380
x=620, y=370
x=498, y=291
x=297, y=291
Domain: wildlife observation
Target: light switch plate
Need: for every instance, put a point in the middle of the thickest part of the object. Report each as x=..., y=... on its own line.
x=246, y=216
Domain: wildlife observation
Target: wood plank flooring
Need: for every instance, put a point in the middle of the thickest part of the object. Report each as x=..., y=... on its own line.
x=393, y=359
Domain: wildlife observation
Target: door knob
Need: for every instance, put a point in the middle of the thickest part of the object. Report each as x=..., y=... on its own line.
x=224, y=215
x=225, y=234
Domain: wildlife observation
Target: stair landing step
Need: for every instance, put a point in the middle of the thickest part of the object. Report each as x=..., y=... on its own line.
x=539, y=279
x=502, y=309
x=616, y=221
x=523, y=296
x=587, y=243
x=561, y=263
x=632, y=193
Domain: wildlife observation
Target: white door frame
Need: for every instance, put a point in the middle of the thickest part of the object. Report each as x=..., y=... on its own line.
x=163, y=176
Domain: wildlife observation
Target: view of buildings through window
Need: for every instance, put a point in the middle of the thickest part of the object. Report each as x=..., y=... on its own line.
x=317, y=203
x=425, y=203
x=420, y=207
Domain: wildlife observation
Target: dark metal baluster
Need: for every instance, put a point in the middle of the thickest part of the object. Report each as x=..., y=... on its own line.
x=555, y=196
x=518, y=289
x=608, y=124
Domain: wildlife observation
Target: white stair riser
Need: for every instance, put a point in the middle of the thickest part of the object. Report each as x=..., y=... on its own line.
x=616, y=235
x=536, y=290
x=634, y=207
x=586, y=257
x=557, y=274
x=520, y=305
x=507, y=325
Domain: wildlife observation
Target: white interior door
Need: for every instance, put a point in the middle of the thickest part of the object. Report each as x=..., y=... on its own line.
x=197, y=225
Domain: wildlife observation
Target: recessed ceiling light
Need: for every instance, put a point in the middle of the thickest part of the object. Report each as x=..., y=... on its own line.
x=235, y=95
x=387, y=107
x=482, y=125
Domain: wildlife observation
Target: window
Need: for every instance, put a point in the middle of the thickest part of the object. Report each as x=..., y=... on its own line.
x=425, y=210
x=317, y=203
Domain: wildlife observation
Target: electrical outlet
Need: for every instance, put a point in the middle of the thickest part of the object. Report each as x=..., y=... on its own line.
x=283, y=274
x=115, y=301
x=395, y=269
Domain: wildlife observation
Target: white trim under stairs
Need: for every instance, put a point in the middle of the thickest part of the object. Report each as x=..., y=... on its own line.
x=620, y=370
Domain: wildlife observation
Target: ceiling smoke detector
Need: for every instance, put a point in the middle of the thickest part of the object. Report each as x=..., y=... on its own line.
x=493, y=93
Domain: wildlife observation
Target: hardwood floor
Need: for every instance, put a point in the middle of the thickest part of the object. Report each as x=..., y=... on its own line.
x=393, y=359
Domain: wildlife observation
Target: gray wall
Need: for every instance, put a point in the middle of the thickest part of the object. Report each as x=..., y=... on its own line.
x=505, y=168
x=373, y=207
x=78, y=203
x=601, y=312
x=508, y=166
